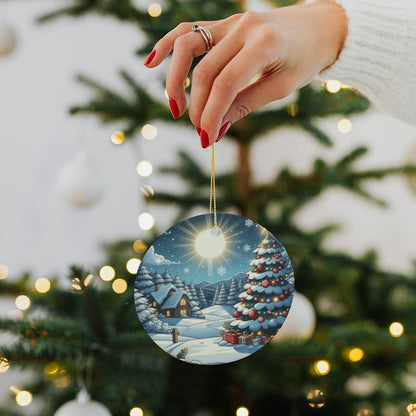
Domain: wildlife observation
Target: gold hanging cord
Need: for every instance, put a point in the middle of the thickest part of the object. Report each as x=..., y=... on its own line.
x=212, y=191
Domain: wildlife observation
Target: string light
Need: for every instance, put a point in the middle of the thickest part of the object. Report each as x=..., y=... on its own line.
x=411, y=409
x=139, y=246
x=136, y=411
x=333, y=86
x=22, y=302
x=242, y=411
x=316, y=398
x=133, y=265
x=51, y=368
x=147, y=190
x=155, y=10
x=42, y=285
x=23, y=397
x=119, y=286
x=365, y=412
x=396, y=329
x=344, y=125
x=146, y=221
x=322, y=367
x=149, y=131
x=118, y=137
x=107, y=273
x=88, y=279
x=4, y=364
x=144, y=168
x=4, y=272
x=355, y=354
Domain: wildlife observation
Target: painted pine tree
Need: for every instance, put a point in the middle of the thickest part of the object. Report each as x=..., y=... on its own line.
x=144, y=282
x=233, y=292
x=158, y=279
x=177, y=281
x=147, y=315
x=167, y=277
x=222, y=295
x=202, y=299
x=268, y=294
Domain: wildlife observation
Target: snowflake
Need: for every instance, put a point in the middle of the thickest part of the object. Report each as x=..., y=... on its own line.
x=248, y=223
x=246, y=248
x=221, y=270
x=186, y=270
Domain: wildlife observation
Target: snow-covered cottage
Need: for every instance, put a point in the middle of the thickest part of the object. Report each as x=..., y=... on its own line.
x=171, y=302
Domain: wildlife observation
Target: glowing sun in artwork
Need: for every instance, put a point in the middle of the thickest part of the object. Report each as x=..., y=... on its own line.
x=210, y=243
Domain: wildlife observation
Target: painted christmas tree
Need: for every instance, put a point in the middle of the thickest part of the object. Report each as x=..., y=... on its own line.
x=268, y=294
x=144, y=282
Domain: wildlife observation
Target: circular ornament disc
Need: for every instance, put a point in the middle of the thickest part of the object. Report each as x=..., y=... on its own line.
x=210, y=295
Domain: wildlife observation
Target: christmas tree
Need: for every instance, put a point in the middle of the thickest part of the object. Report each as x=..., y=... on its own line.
x=268, y=293
x=360, y=359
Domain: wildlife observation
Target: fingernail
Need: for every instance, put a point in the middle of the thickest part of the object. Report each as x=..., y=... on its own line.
x=204, y=139
x=149, y=57
x=223, y=130
x=198, y=130
x=173, y=108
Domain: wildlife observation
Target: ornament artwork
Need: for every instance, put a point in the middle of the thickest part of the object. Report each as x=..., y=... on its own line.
x=80, y=184
x=7, y=39
x=82, y=406
x=213, y=294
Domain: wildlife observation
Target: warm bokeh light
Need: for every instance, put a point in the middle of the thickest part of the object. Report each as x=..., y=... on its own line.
x=62, y=380
x=107, y=273
x=411, y=409
x=24, y=398
x=119, y=286
x=365, y=412
x=155, y=10
x=355, y=354
x=146, y=221
x=4, y=272
x=88, y=279
x=149, y=131
x=51, y=368
x=136, y=411
x=322, y=367
x=139, y=246
x=316, y=398
x=144, y=168
x=242, y=411
x=22, y=302
x=42, y=285
x=118, y=137
x=332, y=85
x=147, y=190
x=344, y=125
x=133, y=265
x=396, y=329
x=4, y=364
x=187, y=82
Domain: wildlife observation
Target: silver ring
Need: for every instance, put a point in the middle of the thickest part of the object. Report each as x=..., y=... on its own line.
x=206, y=35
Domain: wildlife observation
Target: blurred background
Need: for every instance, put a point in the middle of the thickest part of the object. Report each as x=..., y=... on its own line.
x=74, y=184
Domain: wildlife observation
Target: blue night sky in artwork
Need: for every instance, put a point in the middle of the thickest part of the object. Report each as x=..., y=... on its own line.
x=175, y=251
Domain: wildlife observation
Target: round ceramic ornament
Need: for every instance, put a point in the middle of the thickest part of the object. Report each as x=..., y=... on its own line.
x=213, y=293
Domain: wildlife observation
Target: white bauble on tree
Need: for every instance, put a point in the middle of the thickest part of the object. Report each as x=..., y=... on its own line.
x=82, y=406
x=301, y=321
x=8, y=39
x=80, y=183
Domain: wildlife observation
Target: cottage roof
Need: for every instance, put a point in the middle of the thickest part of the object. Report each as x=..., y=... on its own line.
x=160, y=295
x=173, y=301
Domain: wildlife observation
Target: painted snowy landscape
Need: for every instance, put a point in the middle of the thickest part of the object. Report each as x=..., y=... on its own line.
x=206, y=317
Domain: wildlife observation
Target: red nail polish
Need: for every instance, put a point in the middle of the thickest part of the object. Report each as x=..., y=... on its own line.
x=173, y=108
x=204, y=139
x=198, y=130
x=223, y=130
x=149, y=57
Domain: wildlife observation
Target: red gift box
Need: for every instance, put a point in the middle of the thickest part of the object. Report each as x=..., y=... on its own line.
x=231, y=336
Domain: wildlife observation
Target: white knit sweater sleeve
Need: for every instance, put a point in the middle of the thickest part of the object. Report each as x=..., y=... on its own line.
x=379, y=54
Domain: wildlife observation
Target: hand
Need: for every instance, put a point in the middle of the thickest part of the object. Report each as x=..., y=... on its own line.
x=285, y=47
